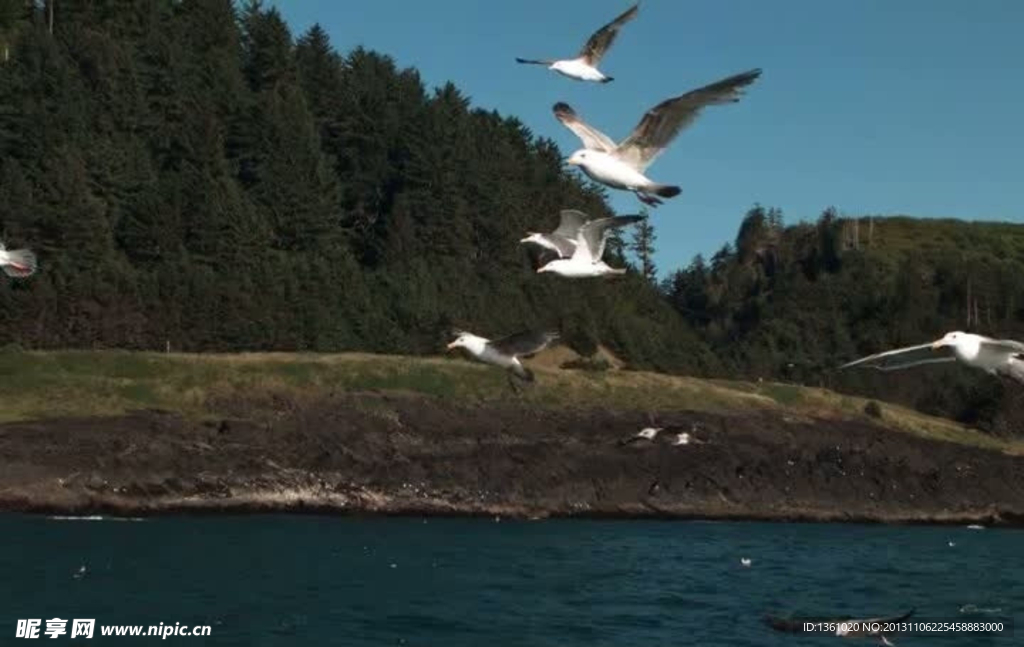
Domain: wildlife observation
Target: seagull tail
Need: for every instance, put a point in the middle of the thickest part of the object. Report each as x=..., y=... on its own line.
x=665, y=190
x=19, y=263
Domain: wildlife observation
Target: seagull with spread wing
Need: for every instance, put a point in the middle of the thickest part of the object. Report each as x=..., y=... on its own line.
x=505, y=352
x=586, y=259
x=845, y=626
x=994, y=356
x=647, y=434
x=584, y=66
x=622, y=166
x=562, y=241
x=17, y=263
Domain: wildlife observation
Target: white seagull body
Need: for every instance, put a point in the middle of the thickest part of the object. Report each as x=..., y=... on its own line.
x=647, y=433
x=17, y=263
x=622, y=165
x=505, y=352
x=994, y=356
x=584, y=66
x=586, y=260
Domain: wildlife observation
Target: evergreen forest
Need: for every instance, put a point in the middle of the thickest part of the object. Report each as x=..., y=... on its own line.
x=194, y=176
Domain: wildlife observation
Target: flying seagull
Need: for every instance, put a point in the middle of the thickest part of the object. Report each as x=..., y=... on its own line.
x=687, y=437
x=590, y=243
x=844, y=625
x=684, y=438
x=869, y=627
x=994, y=356
x=622, y=165
x=645, y=434
x=505, y=352
x=562, y=240
x=17, y=263
x=584, y=66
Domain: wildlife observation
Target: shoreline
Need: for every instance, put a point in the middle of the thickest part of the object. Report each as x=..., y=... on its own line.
x=136, y=511
x=400, y=454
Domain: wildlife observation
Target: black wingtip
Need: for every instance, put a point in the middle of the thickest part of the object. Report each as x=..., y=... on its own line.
x=608, y=79
x=737, y=81
x=751, y=74
x=562, y=108
x=667, y=191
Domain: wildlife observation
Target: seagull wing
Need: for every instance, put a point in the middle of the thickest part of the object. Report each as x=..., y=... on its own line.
x=570, y=223
x=905, y=357
x=594, y=235
x=890, y=619
x=593, y=138
x=603, y=38
x=564, y=237
x=1008, y=345
x=664, y=121
x=534, y=61
x=523, y=343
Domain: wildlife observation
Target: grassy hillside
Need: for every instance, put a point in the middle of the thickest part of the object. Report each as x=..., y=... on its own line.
x=903, y=234
x=85, y=383
x=791, y=303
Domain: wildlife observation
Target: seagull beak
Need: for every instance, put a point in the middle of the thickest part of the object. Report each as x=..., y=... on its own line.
x=451, y=346
x=936, y=345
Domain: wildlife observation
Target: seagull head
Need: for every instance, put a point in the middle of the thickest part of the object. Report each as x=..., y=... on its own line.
x=578, y=158
x=460, y=341
x=472, y=343
x=965, y=345
x=953, y=339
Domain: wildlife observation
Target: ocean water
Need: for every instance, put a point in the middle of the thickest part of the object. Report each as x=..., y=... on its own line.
x=305, y=580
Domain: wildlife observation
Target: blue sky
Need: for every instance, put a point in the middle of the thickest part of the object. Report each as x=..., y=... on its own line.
x=874, y=106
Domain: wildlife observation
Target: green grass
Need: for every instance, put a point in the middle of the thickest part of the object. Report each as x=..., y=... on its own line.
x=40, y=385
x=945, y=236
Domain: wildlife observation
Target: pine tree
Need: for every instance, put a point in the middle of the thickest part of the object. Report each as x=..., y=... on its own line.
x=642, y=245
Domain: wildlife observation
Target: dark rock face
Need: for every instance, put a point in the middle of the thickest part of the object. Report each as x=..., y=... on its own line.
x=406, y=454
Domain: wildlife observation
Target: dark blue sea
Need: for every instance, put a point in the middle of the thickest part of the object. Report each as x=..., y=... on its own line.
x=301, y=580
